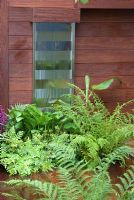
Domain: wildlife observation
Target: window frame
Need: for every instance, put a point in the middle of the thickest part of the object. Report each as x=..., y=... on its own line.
x=72, y=54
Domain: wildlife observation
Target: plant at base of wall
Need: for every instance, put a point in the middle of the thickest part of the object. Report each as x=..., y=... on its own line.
x=98, y=132
x=24, y=157
x=83, y=129
x=27, y=118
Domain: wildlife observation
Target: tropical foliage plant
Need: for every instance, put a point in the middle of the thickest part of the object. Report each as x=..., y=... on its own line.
x=83, y=129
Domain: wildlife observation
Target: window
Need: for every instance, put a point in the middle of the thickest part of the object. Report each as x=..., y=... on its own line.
x=53, y=60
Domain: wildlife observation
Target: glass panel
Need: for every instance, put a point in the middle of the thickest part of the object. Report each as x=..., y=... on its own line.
x=53, y=60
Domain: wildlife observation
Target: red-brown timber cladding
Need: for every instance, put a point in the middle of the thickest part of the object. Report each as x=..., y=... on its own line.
x=4, y=54
x=42, y=3
x=21, y=16
x=105, y=49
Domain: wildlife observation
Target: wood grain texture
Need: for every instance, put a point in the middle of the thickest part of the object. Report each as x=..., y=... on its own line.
x=116, y=95
x=114, y=43
x=20, y=28
x=105, y=49
x=20, y=14
x=104, y=56
x=109, y=4
x=21, y=71
x=20, y=56
x=105, y=69
x=23, y=97
x=20, y=42
x=4, y=54
x=106, y=29
x=20, y=84
x=42, y=3
x=56, y=15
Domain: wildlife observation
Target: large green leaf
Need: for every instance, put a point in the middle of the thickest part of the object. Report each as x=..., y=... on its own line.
x=104, y=85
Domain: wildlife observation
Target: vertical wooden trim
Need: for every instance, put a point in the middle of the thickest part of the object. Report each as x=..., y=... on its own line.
x=4, y=77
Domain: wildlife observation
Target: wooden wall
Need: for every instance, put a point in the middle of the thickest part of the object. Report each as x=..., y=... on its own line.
x=105, y=49
x=20, y=55
x=4, y=53
x=22, y=14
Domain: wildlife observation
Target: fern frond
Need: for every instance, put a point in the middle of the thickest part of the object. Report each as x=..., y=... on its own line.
x=120, y=154
x=47, y=189
x=124, y=189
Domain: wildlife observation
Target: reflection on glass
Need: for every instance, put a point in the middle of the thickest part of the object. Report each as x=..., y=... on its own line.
x=53, y=58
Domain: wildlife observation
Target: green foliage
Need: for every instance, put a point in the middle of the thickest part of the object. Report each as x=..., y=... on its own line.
x=125, y=189
x=81, y=130
x=97, y=132
x=74, y=183
x=27, y=118
x=103, y=86
x=120, y=154
x=84, y=1
x=24, y=157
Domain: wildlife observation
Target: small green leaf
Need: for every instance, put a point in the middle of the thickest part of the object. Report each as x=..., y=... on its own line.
x=104, y=85
x=84, y=1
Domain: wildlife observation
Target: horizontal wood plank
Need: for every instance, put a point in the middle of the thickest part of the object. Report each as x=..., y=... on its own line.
x=109, y=4
x=42, y=3
x=21, y=70
x=107, y=29
x=117, y=95
x=20, y=42
x=20, y=14
x=20, y=84
x=105, y=69
x=56, y=15
x=20, y=28
x=107, y=15
x=20, y=56
x=104, y=56
x=21, y=97
x=105, y=43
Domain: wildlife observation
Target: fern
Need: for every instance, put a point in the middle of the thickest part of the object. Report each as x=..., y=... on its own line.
x=124, y=190
x=75, y=182
x=119, y=154
x=97, y=132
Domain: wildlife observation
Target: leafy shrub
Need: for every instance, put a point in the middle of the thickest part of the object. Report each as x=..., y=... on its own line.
x=24, y=156
x=27, y=118
x=3, y=119
x=97, y=131
x=81, y=130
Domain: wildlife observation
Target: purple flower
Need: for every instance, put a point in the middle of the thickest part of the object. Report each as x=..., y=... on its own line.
x=3, y=119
